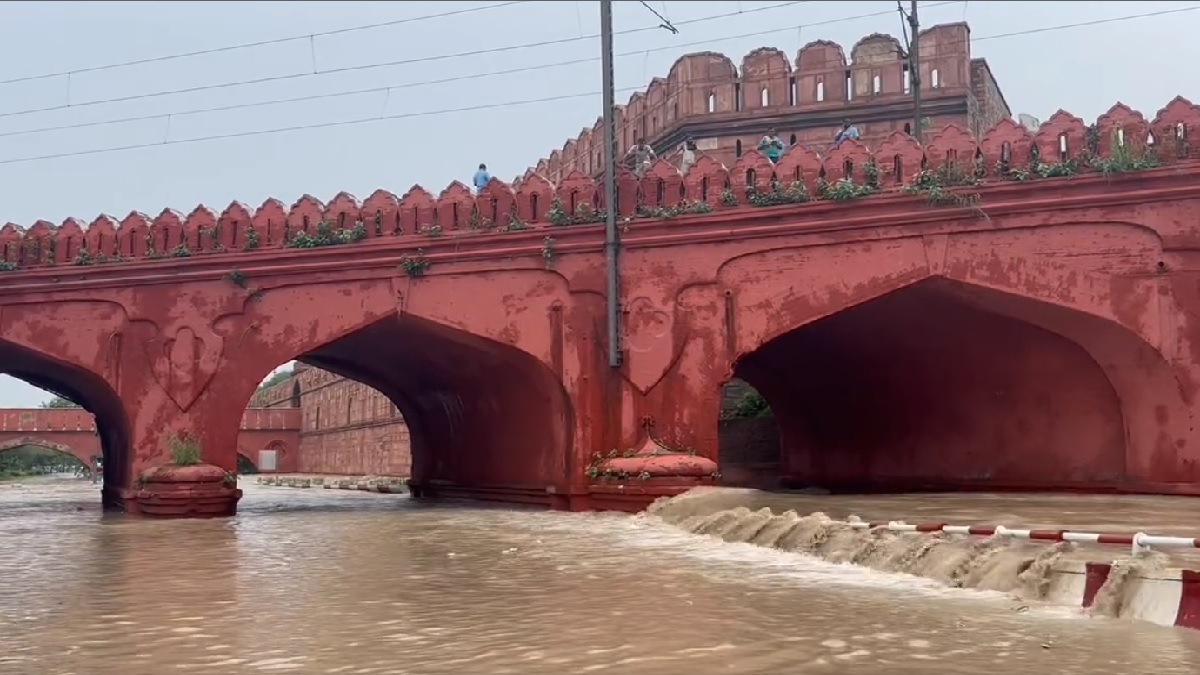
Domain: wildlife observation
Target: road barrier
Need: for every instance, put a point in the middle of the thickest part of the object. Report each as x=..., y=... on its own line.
x=1137, y=542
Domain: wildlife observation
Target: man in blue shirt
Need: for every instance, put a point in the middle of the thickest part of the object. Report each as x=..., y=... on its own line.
x=481, y=177
x=848, y=131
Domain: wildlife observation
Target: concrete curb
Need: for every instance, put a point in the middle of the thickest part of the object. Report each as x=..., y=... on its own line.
x=1164, y=597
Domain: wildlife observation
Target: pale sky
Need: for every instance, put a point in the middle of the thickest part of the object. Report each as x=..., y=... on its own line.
x=1083, y=70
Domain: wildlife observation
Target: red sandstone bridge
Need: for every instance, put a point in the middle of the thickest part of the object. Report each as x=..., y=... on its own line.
x=1019, y=310
x=268, y=439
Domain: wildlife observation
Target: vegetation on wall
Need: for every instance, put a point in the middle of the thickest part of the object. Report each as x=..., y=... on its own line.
x=184, y=450
x=954, y=186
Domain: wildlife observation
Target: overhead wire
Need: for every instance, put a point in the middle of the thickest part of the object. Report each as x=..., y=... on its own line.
x=372, y=66
x=949, y=43
x=260, y=43
x=407, y=85
x=489, y=106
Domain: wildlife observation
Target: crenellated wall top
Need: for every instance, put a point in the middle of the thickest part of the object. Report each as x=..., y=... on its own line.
x=20, y=420
x=1120, y=140
x=709, y=85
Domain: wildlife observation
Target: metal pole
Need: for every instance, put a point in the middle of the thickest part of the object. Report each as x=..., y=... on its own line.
x=914, y=69
x=612, y=243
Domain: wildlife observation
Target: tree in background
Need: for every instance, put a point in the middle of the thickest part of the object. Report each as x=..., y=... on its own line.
x=32, y=460
x=60, y=402
x=275, y=379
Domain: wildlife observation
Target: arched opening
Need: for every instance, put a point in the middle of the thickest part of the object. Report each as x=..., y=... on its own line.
x=295, y=394
x=83, y=404
x=31, y=456
x=928, y=388
x=405, y=397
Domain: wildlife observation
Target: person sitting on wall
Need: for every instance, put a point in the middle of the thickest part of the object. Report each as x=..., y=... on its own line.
x=641, y=156
x=689, y=155
x=771, y=146
x=848, y=131
x=481, y=177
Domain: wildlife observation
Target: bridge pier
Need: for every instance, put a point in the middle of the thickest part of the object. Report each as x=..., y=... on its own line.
x=199, y=491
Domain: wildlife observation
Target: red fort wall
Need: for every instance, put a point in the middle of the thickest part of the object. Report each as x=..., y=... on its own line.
x=727, y=109
x=346, y=427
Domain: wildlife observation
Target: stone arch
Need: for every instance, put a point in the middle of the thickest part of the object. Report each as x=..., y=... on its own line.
x=34, y=441
x=478, y=411
x=90, y=391
x=1157, y=434
x=473, y=383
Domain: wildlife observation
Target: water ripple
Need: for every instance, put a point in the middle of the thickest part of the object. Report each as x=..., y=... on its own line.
x=324, y=581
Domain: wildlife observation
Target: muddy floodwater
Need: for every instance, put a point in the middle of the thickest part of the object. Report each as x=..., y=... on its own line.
x=328, y=581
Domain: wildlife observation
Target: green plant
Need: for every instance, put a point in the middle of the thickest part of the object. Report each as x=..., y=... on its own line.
x=548, y=254
x=325, y=234
x=9, y=266
x=229, y=480
x=943, y=187
x=1123, y=158
x=750, y=405
x=432, y=231
x=584, y=214
x=515, y=224
x=251, y=242
x=842, y=190
x=415, y=265
x=728, y=198
x=184, y=449
x=181, y=251
x=237, y=278
x=683, y=208
x=795, y=193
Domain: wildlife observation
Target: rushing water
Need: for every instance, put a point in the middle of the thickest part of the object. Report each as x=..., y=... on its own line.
x=327, y=581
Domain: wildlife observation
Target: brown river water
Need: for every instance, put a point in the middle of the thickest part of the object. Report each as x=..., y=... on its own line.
x=328, y=581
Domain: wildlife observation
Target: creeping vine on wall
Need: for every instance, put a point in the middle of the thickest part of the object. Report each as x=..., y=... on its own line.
x=548, y=253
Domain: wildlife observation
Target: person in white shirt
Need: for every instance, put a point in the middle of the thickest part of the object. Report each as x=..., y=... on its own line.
x=640, y=156
x=689, y=155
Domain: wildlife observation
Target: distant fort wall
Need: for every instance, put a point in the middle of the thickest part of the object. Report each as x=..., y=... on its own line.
x=726, y=110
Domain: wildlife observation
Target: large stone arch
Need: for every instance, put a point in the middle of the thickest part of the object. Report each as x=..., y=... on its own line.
x=1092, y=307
x=478, y=411
x=465, y=357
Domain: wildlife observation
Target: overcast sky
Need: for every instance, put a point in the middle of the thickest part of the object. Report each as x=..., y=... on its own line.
x=1083, y=69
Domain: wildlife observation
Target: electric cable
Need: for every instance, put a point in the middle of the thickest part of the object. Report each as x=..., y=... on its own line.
x=369, y=66
x=259, y=43
x=388, y=88
x=488, y=106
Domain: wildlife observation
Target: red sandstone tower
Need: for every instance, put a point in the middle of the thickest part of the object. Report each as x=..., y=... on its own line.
x=727, y=111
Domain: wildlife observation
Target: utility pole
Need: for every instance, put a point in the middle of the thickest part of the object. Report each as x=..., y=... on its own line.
x=612, y=241
x=914, y=69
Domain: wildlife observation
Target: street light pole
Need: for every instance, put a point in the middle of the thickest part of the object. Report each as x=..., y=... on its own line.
x=612, y=241
x=914, y=70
